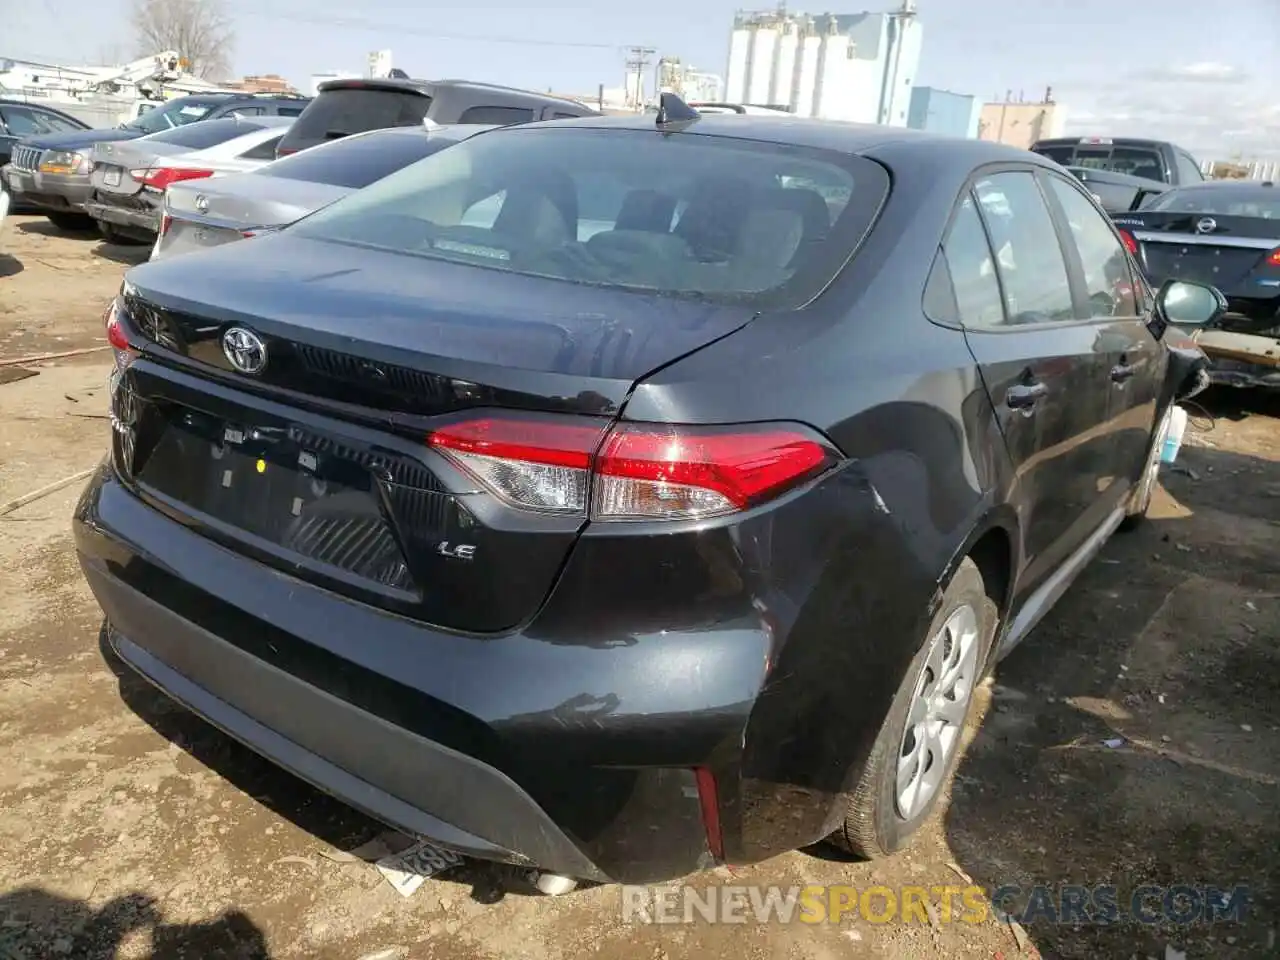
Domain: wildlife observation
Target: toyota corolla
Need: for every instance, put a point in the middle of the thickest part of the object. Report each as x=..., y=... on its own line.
x=617, y=497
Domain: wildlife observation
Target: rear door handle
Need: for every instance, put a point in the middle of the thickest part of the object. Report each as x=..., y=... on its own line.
x=1025, y=396
x=1122, y=372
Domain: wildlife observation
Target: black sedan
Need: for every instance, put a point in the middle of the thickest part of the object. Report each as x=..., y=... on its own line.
x=620, y=496
x=1227, y=234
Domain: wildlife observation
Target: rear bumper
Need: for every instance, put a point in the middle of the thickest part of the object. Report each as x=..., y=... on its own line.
x=763, y=651
x=358, y=703
x=145, y=221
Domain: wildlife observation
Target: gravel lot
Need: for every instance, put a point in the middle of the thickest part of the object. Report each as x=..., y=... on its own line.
x=132, y=829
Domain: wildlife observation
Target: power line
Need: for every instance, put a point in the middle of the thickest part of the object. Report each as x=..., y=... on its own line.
x=638, y=62
x=417, y=31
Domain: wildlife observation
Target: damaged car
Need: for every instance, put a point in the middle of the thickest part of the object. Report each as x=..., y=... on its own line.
x=621, y=496
x=1226, y=234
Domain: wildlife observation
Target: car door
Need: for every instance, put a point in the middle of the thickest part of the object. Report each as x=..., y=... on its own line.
x=1117, y=302
x=1046, y=373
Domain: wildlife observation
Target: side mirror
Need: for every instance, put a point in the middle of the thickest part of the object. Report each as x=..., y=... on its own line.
x=1185, y=304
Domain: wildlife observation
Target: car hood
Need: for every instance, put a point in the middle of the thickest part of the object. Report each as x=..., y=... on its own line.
x=457, y=320
x=79, y=139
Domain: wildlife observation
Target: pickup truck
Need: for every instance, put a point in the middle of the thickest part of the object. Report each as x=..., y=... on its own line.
x=1122, y=172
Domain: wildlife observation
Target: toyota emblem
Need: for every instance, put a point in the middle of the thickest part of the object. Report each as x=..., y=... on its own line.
x=202, y=203
x=1207, y=225
x=245, y=350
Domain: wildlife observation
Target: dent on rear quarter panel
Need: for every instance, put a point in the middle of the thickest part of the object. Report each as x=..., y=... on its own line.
x=858, y=559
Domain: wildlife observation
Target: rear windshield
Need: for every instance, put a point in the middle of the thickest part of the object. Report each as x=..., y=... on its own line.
x=1221, y=201
x=210, y=133
x=342, y=112
x=1134, y=161
x=711, y=217
x=358, y=161
x=175, y=113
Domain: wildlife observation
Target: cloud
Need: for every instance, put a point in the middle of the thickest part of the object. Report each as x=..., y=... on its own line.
x=1206, y=71
x=1212, y=109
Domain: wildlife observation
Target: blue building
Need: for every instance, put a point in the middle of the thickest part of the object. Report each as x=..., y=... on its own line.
x=944, y=112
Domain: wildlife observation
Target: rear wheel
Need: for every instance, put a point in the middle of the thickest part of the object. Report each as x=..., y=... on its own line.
x=916, y=751
x=70, y=221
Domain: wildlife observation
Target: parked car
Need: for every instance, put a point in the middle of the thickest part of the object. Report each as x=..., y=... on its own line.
x=130, y=179
x=1156, y=160
x=1226, y=233
x=198, y=215
x=50, y=171
x=344, y=107
x=19, y=119
x=622, y=556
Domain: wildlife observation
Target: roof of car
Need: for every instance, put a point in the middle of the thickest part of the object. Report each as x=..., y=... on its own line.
x=13, y=102
x=835, y=135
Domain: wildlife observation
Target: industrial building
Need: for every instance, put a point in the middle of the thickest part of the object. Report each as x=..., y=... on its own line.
x=1020, y=123
x=688, y=83
x=944, y=112
x=860, y=66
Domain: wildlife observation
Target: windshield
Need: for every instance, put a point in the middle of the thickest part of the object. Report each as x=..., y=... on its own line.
x=1220, y=201
x=711, y=217
x=1133, y=161
x=357, y=161
x=175, y=113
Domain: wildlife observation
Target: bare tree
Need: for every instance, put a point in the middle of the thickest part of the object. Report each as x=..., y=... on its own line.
x=199, y=30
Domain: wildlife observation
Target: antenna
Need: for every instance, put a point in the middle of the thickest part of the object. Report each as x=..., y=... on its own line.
x=673, y=110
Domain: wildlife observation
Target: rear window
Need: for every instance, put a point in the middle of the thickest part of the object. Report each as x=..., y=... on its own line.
x=714, y=218
x=1134, y=161
x=342, y=112
x=358, y=161
x=210, y=133
x=1220, y=201
x=499, y=116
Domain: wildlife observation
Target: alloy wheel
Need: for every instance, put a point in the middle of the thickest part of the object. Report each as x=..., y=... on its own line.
x=939, y=705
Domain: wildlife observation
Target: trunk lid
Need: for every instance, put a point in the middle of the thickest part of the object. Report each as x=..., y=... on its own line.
x=114, y=163
x=247, y=200
x=1219, y=250
x=318, y=464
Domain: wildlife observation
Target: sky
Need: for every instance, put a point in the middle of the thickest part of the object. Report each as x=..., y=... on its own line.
x=1203, y=74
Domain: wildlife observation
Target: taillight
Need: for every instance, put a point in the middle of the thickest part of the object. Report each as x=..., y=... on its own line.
x=123, y=407
x=285, y=151
x=1129, y=242
x=166, y=222
x=118, y=336
x=160, y=177
x=634, y=471
x=1273, y=258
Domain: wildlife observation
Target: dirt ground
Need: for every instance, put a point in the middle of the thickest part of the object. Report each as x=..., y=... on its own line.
x=129, y=828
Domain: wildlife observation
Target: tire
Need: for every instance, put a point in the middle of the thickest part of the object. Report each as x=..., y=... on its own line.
x=1135, y=513
x=75, y=222
x=875, y=826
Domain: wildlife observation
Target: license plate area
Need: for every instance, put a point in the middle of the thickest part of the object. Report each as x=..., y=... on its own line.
x=111, y=176
x=270, y=483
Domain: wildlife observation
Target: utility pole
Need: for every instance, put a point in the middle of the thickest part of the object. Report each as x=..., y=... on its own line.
x=637, y=62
